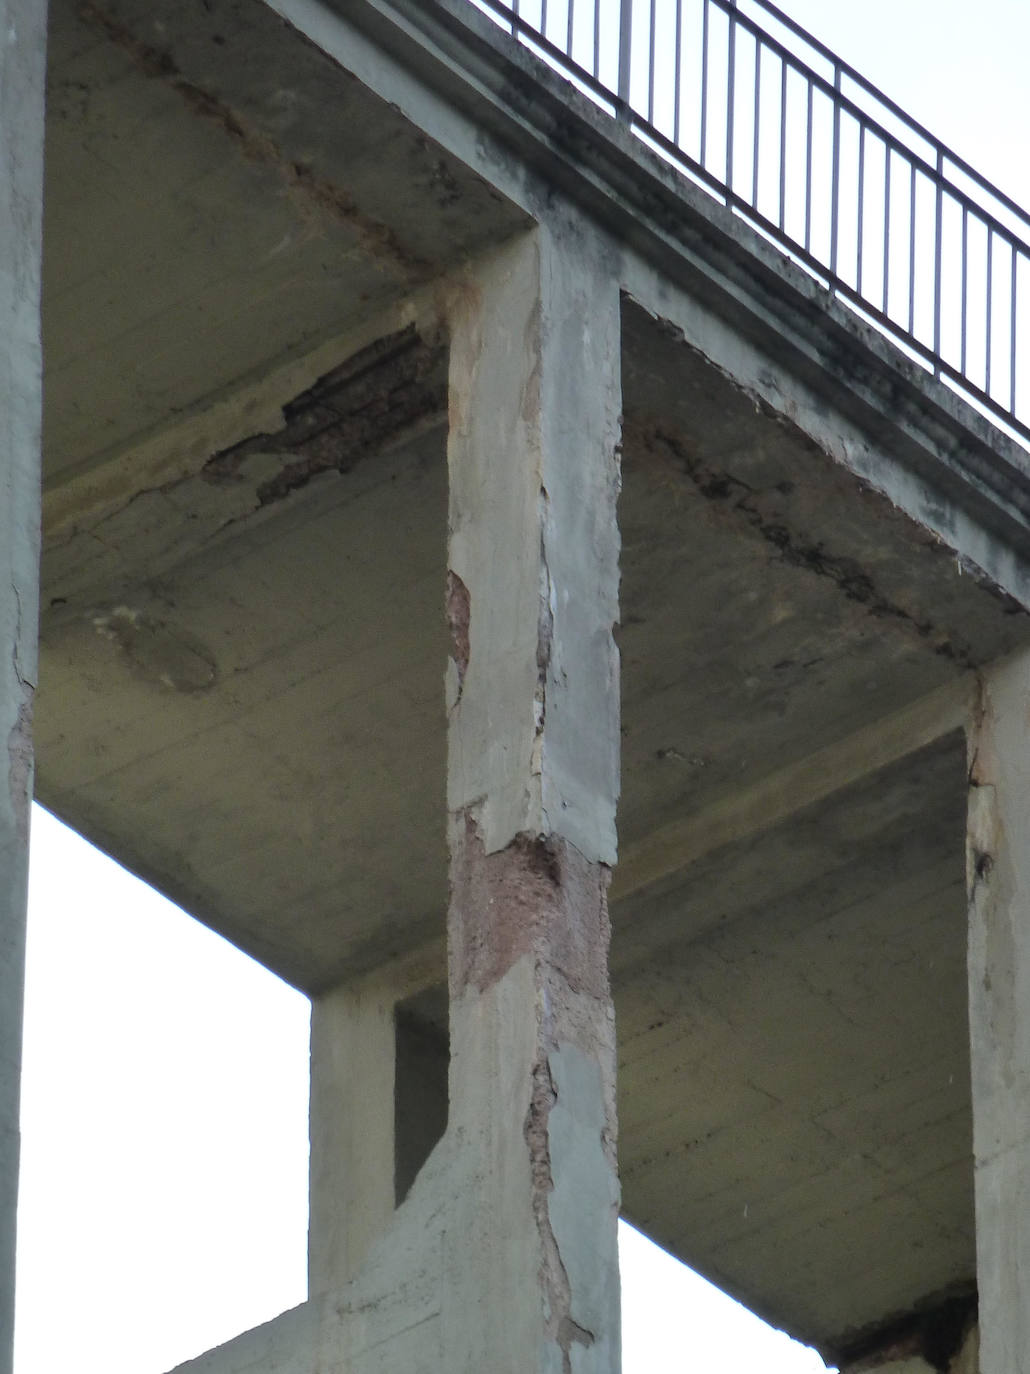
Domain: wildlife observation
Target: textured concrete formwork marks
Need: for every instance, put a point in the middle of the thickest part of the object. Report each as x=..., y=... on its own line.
x=998, y=879
x=22, y=57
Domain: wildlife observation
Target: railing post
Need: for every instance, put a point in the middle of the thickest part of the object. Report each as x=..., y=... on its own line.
x=625, y=57
x=835, y=179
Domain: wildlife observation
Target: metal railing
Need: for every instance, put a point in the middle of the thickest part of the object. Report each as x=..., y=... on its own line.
x=777, y=127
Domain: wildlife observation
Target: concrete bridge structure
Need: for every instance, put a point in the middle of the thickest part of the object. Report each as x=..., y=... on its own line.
x=373, y=347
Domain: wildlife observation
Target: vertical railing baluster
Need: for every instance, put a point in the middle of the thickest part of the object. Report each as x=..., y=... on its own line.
x=965, y=285
x=515, y=18
x=1012, y=337
x=570, y=28
x=758, y=107
x=783, y=145
x=938, y=251
x=808, y=170
x=651, y=64
x=990, y=302
x=625, y=57
x=704, y=81
x=835, y=176
x=730, y=95
x=859, y=239
x=597, y=40
x=912, y=249
x=543, y=17
x=886, y=227
x=678, y=73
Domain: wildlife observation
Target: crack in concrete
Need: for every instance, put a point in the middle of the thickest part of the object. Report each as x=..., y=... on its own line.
x=847, y=574
x=544, y=641
x=561, y=1327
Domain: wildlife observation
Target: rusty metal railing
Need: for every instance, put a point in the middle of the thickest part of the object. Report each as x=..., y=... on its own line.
x=776, y=126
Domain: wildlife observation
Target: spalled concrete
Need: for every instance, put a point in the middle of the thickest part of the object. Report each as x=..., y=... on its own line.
x=22, y=57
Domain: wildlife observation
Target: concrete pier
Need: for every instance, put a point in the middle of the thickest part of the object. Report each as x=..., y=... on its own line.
x=998, y=876
x=22, y=65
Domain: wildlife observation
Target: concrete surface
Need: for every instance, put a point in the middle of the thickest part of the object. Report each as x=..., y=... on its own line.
x=22, y=59
x=323, y=417
x=999, y=815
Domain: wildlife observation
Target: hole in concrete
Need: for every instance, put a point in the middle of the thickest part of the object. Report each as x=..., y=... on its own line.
x=163, y=1203
x=420, y=1084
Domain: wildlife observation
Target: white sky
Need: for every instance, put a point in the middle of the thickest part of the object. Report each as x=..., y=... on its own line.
x=163, y=1204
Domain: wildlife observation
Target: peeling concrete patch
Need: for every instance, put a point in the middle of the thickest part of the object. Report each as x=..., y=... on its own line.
x=164, y=655
x=383, y=394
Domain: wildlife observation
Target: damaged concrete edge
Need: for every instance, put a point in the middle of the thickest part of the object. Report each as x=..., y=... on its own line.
x=560, y=1326
x=106, y=483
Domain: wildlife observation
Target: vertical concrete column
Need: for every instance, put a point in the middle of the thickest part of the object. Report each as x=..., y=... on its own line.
x=351, y=1176
x=532, y=788
x=22, y=58
x=998, y=874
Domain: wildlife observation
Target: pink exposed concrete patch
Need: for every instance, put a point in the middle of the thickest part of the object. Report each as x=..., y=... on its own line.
x=539, y=895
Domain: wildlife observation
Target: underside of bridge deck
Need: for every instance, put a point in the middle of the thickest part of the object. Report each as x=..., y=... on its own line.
x=252, y=267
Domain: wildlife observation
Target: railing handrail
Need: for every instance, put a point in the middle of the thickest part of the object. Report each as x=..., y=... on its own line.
x=866, y=85
x=981, y=207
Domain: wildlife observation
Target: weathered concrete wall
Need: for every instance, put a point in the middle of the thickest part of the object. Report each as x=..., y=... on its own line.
x=998, y=878
x=22, y=55
x=503, y=1256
